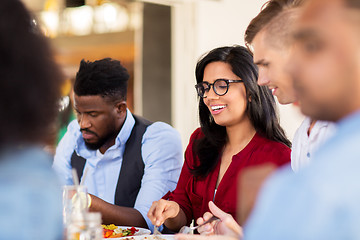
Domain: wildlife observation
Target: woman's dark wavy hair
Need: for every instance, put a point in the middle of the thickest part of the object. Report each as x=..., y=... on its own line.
x=261, y=109
x=30, y=79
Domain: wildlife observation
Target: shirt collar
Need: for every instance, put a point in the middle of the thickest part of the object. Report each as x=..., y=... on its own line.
x=120, y=140
x=126, y=129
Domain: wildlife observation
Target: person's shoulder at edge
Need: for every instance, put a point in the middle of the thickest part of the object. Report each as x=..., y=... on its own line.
x=268, y=143
x=32, y=189
x=197, y=134
x=164, y=141
x=161, y=130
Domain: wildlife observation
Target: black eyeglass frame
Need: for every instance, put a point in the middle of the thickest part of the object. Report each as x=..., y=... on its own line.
x=227, y=81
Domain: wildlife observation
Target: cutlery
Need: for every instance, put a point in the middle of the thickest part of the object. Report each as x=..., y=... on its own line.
x=187, y=230
x=156, y=232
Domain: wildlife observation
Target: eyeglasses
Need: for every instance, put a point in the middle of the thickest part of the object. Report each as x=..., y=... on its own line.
x=220, y=86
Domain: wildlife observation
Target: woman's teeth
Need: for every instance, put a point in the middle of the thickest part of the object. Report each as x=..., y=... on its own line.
x=218, y=107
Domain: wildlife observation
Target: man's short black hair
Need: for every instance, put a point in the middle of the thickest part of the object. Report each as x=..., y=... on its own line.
x=105, y=77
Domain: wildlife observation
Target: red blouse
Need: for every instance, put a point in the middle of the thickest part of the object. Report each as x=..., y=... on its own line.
x=193, y=195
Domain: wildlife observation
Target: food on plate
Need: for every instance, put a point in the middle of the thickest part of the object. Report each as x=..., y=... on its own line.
x=112, y=231
x=151, y=237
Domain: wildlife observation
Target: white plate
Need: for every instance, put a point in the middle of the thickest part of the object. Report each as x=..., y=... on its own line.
x=140, y=232
x=146, y=237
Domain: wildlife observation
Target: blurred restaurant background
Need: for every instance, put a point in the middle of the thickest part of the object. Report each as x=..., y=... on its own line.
x=158, y=41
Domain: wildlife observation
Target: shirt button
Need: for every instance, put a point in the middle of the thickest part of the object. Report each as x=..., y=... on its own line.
x=308, y=155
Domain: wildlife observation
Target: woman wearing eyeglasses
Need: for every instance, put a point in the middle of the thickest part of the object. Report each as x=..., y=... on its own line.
x=239, y=128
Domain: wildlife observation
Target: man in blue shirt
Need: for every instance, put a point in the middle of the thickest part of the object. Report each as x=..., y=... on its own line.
x=125, y=161
x=322, y=200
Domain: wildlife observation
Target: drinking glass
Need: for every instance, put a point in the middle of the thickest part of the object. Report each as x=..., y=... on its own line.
x=85, y=226
x=75, y=200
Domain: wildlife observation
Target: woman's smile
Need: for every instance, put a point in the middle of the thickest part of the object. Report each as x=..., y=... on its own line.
x=217, y=109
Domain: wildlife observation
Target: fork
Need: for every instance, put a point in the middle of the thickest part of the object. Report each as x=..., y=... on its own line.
x=187, y=230
x=156, y=232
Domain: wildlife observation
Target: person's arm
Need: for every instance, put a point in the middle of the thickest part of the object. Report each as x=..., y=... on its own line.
x=171, y=211
x=113, y=214
x=180, y=194
x=176, y=222
x=64, y=150
x=162, y=155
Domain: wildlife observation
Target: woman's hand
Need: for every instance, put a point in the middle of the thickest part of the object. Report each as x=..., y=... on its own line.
x=227, y=225
x=162, y=210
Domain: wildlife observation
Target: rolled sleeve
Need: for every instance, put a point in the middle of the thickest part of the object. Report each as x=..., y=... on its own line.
x=162, y=155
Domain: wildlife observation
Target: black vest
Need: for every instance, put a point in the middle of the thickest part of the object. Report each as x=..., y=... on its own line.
x=132, y=167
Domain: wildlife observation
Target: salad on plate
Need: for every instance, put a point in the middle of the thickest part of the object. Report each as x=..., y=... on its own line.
x=112, y=231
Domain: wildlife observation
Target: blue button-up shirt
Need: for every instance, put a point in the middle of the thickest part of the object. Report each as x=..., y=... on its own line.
x=161, y=152
x=322, y=201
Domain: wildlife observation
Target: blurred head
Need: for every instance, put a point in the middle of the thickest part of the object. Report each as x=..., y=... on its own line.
x=30, y=79
x=100, y=101
x=325, y=62
x=269, y=37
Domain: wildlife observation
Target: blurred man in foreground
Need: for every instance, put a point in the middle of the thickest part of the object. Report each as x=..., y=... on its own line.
x=322, y=201
x=30, y=196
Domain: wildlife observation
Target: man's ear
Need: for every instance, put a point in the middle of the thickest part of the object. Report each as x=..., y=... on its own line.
x=121, y=107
